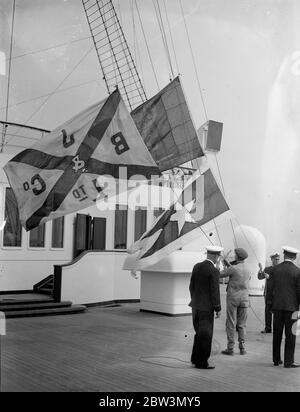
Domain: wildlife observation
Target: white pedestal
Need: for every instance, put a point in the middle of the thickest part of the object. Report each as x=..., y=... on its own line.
x=165, y=292
x=165, y=286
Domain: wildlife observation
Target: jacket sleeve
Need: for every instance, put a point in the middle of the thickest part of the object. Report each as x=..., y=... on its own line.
x=269, y=297
x=215, y=290
x=227, y=272
x=298, y=288
x=192, y=282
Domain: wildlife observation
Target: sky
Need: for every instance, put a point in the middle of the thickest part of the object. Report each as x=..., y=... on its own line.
x=246, y=53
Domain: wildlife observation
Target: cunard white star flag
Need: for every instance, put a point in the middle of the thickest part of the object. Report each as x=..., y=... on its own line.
x=60, y=173
x=200, y=201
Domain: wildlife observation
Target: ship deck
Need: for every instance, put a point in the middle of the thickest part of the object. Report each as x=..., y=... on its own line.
x=119, y=348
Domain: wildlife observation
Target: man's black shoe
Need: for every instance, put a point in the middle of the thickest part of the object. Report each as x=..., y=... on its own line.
x=278, y=363
x=266, y=331
x=293, y=365
x=205, y=367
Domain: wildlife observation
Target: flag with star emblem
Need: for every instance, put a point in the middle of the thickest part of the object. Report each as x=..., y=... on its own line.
x=200, y=201
x=60, y=173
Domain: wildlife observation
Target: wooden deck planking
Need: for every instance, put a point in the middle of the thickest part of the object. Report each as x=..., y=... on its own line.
x=122, y=349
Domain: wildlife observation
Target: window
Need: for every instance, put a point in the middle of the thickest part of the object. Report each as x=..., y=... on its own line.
x=120, y=227
x=12, y=234
x=37, y=236
x=82, y=233
x=140, y=223
x=58, y=233
x=99, y=233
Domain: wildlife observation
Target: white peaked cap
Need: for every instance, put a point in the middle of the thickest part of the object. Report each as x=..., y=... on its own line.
x=290, y=249
x=214, y=249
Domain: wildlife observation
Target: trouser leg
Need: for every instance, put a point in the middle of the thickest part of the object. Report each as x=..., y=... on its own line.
x=278, y=324
x=290, y=339
x=268, y=318
x=195, y=325
x=230, y=323
x=241, y=324
x=203, y=324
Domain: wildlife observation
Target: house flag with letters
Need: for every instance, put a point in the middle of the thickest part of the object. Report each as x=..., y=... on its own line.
x=60, y=173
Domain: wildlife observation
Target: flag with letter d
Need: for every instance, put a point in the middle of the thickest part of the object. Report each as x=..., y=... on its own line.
x=200, y=201
x=59, y=174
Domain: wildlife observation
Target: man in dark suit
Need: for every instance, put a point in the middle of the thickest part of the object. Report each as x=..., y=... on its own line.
x=205, y=300
x=284, y=295
x=266, y=274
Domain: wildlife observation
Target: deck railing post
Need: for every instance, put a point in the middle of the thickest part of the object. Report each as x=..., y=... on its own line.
x=57, y=283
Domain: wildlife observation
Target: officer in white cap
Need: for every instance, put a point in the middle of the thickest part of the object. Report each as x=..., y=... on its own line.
x=205, y=300
x=266, y=273
x=237, y=300
x=284, y=296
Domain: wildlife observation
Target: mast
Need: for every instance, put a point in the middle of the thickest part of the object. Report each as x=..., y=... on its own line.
x=114, y=56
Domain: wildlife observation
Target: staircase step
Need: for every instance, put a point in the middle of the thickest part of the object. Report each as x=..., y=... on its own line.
x=9, y=302
x=46, y=312
x=28, y=306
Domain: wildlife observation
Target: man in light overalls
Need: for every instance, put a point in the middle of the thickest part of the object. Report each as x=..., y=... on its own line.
x=237, y=300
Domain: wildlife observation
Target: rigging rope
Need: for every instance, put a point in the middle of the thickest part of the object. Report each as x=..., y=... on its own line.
x=203, y=102
x=219, y=172
x=136, y=50
x=163, y=35
x=197, y=162
x=147, y=46
x=120, y=14
x=133, y=30
x=55, y=90
x=194, y=62
x=47, y=94
x=170, y=31
x=223, y=189
x=247, y=240
x=205, y=111
x=235, y=241
x=217, y=231
x=18, y=56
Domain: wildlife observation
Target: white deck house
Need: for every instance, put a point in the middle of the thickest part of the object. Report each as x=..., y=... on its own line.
x=91, y=245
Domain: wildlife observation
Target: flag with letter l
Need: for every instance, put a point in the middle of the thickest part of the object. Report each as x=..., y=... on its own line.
x=166, y=126
x=200, y=201
x=60, y=173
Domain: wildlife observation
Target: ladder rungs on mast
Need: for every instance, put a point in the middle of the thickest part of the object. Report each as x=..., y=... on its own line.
x=113, y=51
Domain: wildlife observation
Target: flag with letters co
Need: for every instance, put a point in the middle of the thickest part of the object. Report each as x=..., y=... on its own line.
x=200, y=201
x=60, y=173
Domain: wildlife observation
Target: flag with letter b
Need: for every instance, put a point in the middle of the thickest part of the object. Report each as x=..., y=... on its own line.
x=59, y=174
